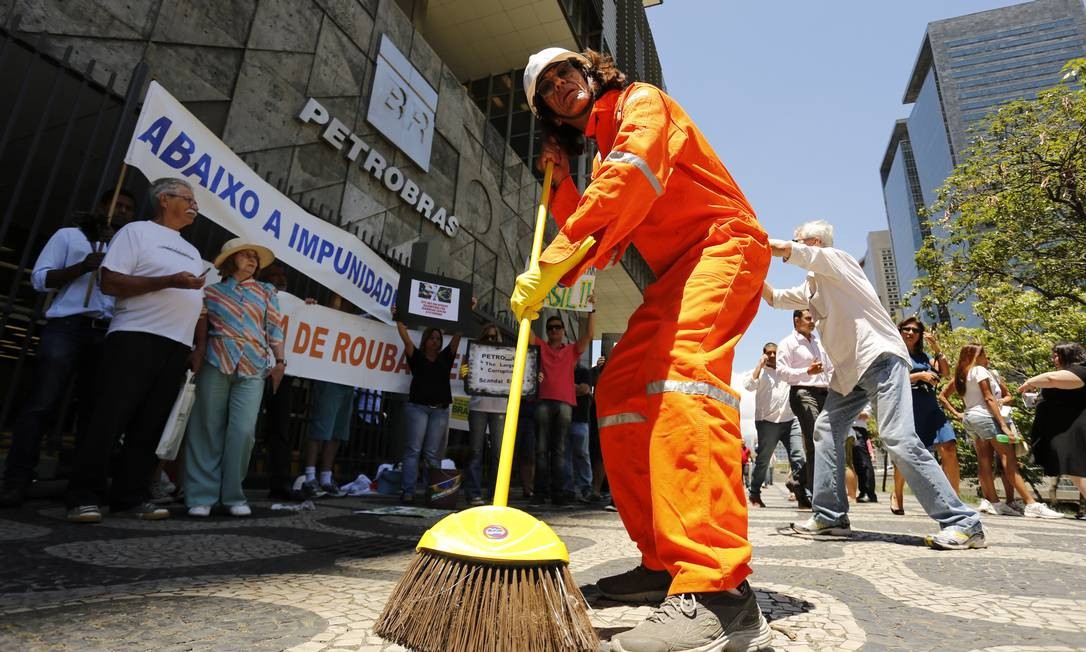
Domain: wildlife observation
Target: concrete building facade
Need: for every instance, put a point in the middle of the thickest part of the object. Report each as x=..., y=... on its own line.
x=247, y=69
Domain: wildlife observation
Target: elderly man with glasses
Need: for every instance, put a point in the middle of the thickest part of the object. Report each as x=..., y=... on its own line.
x=870, y=363
x=156, y=277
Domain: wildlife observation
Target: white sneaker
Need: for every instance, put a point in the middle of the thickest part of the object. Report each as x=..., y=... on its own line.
x=1041, y=510
x=985, y=507
x=200, y=511
x=240, y=510
x=1003, y=509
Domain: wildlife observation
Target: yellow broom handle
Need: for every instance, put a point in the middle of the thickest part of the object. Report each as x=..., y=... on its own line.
x=512, y=410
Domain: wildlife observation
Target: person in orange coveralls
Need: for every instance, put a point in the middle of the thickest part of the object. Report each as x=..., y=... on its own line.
x=669, y=422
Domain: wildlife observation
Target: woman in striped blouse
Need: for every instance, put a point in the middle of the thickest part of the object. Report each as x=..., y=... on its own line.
x=240, y=339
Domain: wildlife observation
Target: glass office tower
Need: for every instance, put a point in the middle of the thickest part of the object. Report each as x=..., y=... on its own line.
x=966, y=68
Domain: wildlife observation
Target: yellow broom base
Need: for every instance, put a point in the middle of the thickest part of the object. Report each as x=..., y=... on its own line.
x=446, y=604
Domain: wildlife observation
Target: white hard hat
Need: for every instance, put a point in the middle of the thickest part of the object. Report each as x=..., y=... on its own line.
x=542, y=60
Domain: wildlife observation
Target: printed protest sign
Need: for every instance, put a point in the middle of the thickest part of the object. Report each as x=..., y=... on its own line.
x=170, y=142
x=431, y=300
x=490, y=370
x=575, y=297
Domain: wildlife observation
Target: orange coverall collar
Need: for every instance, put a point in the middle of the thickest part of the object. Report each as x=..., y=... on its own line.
x=602, y=112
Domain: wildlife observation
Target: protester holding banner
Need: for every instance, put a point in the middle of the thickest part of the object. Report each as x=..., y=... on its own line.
x=484, y=413
x=156, y=278
x=554, y=411
x=241, y=339
x=71, y=342
x=331, y=408
x=427, y=410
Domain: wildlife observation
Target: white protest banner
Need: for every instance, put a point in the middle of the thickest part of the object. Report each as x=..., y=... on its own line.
x=575, y=297
x=325, y=344
x=170, y=142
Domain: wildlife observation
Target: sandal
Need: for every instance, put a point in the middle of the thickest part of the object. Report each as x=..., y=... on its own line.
x=900, y=509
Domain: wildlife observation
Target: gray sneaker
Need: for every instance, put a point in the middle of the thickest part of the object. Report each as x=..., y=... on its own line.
x=312, y=489
x=703, y=622
x=85, y=514
x=955, y=538
x=637, y=585
x=812, y=527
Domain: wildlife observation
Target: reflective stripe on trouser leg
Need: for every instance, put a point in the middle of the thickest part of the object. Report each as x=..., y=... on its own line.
x=680, y=470
x=624, y=435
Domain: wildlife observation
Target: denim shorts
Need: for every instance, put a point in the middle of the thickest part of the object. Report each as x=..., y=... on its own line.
x=981, y=426
x=945, y=433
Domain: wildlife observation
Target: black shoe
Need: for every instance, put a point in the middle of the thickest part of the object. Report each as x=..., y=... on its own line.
x=802, y=501
x=861, y=499
x=872, y=498
x=756, y=501
x=537, y=499
x=12, y=496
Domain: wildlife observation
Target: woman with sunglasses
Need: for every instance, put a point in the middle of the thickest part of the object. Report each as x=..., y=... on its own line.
x=484, y=413
x=931, y=423
x=983, y=395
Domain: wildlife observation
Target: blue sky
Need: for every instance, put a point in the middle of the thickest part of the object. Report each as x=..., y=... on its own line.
x=798, y=99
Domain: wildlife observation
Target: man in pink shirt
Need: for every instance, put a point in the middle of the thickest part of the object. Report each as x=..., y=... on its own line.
x=555, y=408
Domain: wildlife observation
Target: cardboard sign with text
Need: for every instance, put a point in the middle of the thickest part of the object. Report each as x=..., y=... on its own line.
x=490, y=370
x=431, y=300
x=575, y=297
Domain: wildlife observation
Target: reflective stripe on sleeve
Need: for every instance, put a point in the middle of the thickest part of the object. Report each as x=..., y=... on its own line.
x=694, y=388
x=640, y=164
x=621, y=418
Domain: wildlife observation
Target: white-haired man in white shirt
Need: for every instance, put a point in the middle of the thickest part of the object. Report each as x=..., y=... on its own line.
x=870, y=364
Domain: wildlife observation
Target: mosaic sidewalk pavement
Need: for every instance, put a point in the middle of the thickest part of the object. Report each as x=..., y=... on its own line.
x=315, y=580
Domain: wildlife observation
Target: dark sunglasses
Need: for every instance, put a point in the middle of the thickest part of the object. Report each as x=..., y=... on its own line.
x=555, y=327
x=909, y=329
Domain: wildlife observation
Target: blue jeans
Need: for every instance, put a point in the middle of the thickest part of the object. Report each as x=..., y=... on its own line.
x=220, y=435
x=478, y=423
x=769, y=433
x=69, y=346
x=886, y=385
x=551, y=423
x=578, y=461
x=428, y=433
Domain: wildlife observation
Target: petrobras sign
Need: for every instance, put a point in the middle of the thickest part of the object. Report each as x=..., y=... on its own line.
x=170, y=142
x=402, y=104
x=356, y=150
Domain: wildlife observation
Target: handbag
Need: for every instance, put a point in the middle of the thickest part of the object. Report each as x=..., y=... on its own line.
x=170, y=442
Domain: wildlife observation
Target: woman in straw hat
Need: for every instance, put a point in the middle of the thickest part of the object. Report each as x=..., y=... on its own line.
x=240, y=338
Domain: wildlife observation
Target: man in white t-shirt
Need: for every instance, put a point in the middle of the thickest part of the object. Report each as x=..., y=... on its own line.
x=870, y=364
x=773, y=420
x=156, y=277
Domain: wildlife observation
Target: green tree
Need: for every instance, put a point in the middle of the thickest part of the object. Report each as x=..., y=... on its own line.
x=1009, y=230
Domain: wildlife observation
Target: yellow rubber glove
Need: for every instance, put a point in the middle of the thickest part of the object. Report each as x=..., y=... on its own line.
x=533, y=285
